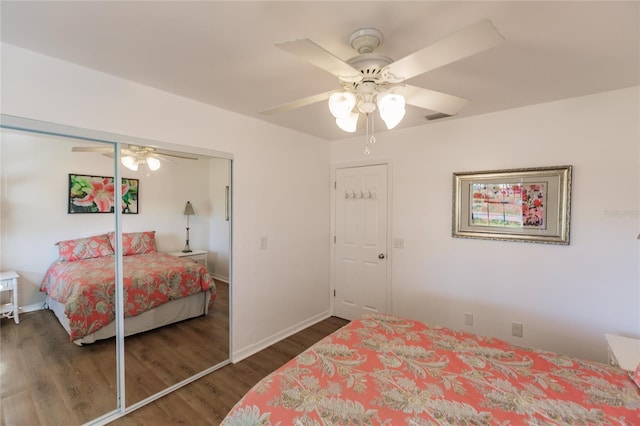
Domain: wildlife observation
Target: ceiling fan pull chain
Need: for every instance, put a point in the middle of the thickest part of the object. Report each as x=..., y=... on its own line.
x=372, y=139
x=366, y=147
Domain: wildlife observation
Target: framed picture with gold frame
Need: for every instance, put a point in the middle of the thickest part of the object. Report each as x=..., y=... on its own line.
x=528, y=205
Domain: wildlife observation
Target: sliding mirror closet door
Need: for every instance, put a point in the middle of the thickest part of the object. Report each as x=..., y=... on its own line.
x=61, y=362
x=176, y=249
x=51, y=194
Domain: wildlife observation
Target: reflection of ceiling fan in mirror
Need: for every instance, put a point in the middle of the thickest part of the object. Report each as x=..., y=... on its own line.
x=134, y=156
x=370, y=81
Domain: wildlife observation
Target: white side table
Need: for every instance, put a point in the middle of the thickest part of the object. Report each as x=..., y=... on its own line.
x=624, y=352
x=198, y=256
x=9, y=282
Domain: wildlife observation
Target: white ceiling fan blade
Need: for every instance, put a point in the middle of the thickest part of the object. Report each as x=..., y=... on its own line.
x=321, y=58
x=430, y=99
x=466, y=42
x=166, y=154
x=91, y=149
x=168, y=160
x=133, y=153
x=298, y=103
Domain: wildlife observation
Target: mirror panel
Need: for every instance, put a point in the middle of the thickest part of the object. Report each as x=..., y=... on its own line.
x=44, y=375
x=68, y=383
x=198, y=334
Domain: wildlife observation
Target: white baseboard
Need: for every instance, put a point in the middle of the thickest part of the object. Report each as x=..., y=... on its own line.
x=220, y=278
x=31, y=308
x=246, y=352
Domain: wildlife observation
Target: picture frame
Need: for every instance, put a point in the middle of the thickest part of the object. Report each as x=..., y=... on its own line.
x=527, y=205
x=95, y=194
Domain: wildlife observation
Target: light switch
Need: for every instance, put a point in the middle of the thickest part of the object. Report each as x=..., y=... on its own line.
x=468, y=318
x=263, y=243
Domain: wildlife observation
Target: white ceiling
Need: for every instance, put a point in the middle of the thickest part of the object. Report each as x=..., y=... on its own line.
x=222, y=53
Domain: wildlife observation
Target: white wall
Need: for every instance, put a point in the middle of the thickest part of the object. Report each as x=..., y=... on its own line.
x=567, y=297
x=280, y=181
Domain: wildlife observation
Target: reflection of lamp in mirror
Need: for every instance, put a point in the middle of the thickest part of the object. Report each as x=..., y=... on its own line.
x=188, y=211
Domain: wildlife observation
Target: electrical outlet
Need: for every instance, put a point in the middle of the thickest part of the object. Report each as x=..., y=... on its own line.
x=516, y=329
x=468, y=318
x=263, y=243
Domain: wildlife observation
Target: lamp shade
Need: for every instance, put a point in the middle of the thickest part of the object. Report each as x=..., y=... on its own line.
x=348, y=123
x=129, y=162
x=392, y=109
x=153, y=163
x=188, y=209
x=341, y=104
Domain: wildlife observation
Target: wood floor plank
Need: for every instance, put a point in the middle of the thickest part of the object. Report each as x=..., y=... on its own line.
x=19, y=410
x=46, y=390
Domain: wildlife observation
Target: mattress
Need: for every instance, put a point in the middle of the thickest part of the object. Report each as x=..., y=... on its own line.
x=385, y=370
x=86, y=288
x=169, y=313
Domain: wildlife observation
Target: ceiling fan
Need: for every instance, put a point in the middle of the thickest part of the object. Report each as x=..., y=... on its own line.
x=133, y=156
x=370, y=81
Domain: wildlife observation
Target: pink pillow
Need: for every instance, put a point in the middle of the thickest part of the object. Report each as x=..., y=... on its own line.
x=136, y=242
x=84, y=248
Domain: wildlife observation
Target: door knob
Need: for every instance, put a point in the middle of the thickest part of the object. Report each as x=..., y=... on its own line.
x=381, y=256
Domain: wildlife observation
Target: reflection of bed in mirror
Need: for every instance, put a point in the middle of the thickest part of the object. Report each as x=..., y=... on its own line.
x=159, y=289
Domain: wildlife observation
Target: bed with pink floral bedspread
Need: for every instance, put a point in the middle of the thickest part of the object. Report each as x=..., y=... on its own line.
x=86, y=287
x=383, y=370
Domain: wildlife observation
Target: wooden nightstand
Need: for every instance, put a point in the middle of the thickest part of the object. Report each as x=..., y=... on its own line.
x=9, y=282
x=198, y=256
x=624, y=352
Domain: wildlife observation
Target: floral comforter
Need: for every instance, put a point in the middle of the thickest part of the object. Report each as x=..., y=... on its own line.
x=86, y=287
x=383, y=370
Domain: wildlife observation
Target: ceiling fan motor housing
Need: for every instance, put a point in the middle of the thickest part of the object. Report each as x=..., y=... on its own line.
x=370, y=66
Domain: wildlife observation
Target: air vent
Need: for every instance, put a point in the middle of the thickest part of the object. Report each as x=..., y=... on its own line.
x=436, y=116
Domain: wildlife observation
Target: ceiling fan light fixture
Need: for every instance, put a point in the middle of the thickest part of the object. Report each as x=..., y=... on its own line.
x=392, y=109
x=348, y=123
x=341, y=104
x=153, y=163
x=129, y=162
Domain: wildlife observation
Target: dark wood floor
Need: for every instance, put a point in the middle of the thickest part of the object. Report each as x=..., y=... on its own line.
x=47, y=380
x=207, y=400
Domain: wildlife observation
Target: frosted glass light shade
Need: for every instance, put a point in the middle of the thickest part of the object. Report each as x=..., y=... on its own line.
x=153, y=163
x=348, y=123
x=392, y=109
x=341, y=104
x=130, y=163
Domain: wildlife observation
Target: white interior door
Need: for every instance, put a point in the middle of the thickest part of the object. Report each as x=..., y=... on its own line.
x=360, y=241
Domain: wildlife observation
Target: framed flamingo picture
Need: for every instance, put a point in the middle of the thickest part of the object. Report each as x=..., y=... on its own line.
x=530, y=205
x=95, y=194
